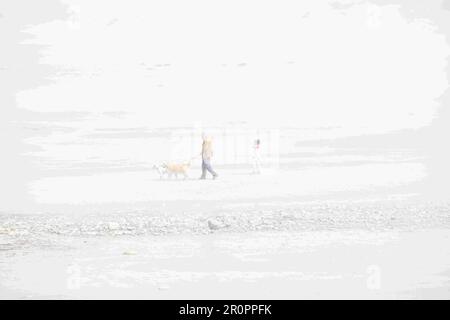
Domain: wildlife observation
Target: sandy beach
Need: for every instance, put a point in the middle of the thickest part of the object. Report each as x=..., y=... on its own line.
x=371, y=262
x=327, y=219
x=332, y=241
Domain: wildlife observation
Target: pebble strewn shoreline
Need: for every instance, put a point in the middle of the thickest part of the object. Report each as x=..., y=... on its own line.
x=369, y=216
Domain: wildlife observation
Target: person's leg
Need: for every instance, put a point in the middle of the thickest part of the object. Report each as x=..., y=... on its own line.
x=254, y=166
x=203, y=176
x=258, y=165
x=209, y=168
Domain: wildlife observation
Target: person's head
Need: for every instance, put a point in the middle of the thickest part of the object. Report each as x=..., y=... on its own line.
x=205, y=137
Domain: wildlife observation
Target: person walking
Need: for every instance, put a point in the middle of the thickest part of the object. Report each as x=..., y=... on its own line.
x=256, y=157
x=207, y=154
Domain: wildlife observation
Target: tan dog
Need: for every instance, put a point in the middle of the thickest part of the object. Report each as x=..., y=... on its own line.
x=176, y=169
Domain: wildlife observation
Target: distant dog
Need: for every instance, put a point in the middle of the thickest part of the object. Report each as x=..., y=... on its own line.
x=161, y=169
x=177, y=168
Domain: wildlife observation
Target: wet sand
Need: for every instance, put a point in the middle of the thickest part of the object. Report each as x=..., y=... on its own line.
x=335, y=264
x=340, y=249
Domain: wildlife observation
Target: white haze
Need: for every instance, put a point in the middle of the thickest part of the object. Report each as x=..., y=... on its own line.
x=303, y=64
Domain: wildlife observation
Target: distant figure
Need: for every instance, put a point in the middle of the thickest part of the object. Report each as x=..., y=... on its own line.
x=206, y=157
x=256, y=157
